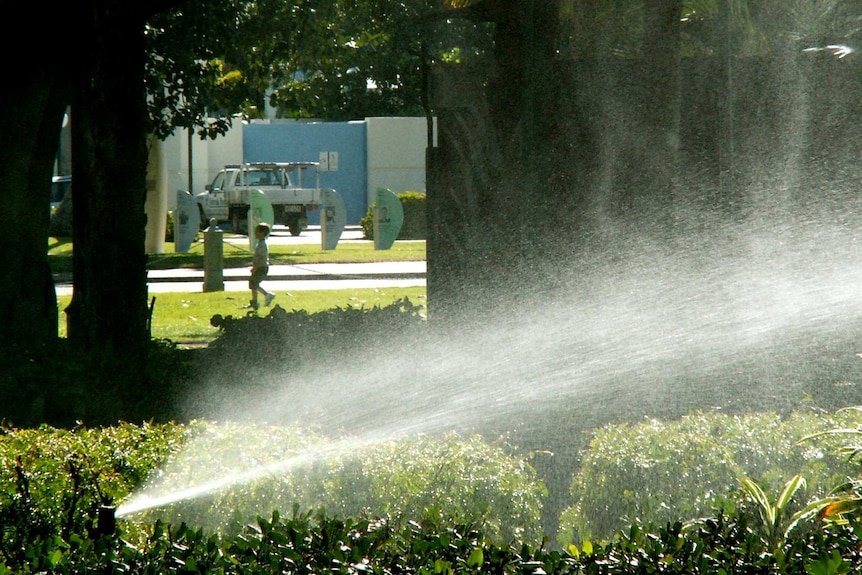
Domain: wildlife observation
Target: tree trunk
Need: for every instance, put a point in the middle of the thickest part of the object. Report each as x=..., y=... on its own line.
x=660, y=92
x=108, y=315
x=28, y=305
x=489, y=200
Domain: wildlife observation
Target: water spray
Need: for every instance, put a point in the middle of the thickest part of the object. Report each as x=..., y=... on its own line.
x=142, y=501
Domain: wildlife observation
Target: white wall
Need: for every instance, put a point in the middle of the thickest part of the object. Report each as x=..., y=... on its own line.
x=156, y=204
x=396, y=154
x=208, y=157
x=223, y=150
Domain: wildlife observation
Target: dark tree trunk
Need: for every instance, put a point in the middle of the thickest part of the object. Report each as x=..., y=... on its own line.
x=108, y=314
x=35, y=102
x=489, y=197
x=660, y=97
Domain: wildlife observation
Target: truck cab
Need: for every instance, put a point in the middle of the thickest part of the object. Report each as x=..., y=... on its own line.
x=212, y=203
x=227, y=198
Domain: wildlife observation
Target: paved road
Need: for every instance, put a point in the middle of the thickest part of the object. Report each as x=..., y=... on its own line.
x=281, y=235
x=293, y=277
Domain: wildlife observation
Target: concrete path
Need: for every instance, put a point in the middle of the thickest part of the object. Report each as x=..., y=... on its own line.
x=292, y=277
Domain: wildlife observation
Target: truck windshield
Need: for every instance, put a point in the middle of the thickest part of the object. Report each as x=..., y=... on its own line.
x=218, y=183
x=262, y=178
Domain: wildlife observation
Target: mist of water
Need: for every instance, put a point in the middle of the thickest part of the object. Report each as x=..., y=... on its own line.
x=741, y=316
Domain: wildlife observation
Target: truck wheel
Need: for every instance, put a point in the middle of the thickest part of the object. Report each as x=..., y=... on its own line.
x=205, y=223
x=239, y=221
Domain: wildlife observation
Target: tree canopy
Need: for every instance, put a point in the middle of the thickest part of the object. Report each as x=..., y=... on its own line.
x=334, y=60
x=347, y=60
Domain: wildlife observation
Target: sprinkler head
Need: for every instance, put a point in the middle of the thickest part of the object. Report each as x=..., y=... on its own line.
x=107, y=521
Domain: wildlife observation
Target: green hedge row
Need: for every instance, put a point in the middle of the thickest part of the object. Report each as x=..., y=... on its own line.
x=257, y=342
x=308, y=544
x=53, y=482
x=464, y=478
x=414, y=226
x=658, y=472
x=420, y=504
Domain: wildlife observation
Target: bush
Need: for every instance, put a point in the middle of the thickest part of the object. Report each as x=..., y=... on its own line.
x=723, y=544
x=317, y=543
x=296, y=337
x=52, y=481
x=658, y=472
x=169, y=227
x=61, y=218
x=414, y=226
x=463, y=478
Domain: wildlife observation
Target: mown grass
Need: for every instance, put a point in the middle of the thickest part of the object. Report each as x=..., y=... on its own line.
x=238, y=254
x=184, y=318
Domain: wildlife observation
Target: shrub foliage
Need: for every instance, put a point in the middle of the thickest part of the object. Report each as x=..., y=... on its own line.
x=296, y=337
x=413, y=513
x=55, y=481
x=463, y=478
x=658, y=472
x=414, y=226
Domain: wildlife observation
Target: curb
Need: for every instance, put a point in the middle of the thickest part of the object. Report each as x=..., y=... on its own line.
x=181, y=275
x=292, y=277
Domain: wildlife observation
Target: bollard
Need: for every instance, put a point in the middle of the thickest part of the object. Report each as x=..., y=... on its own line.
x=213, y=258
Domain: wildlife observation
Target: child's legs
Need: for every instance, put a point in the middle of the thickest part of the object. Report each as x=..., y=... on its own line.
x=257, y=276
x=257, y=288
x=262, y=289
x=254, y=285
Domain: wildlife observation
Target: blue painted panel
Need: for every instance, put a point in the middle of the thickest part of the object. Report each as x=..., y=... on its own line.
x=303, y=142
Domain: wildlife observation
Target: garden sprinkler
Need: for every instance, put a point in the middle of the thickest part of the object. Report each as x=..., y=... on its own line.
x=107, y=521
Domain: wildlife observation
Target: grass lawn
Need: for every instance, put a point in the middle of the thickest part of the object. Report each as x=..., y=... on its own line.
x=238, y=254
x=184, y=318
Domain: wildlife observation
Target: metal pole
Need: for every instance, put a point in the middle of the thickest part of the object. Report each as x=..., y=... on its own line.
x=191, y=189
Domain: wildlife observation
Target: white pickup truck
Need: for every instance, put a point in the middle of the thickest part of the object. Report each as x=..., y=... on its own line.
x=227, y=198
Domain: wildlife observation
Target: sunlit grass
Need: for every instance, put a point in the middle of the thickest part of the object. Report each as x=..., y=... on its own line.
x=237, y=254
x=185, y=317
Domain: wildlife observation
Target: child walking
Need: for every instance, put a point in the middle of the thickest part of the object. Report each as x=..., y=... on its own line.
x=260, y=266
